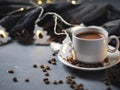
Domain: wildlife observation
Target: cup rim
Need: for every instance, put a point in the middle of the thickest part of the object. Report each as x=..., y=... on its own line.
x=98, y=29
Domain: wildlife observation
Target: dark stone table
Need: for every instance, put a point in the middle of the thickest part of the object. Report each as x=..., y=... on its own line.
x=21, y=59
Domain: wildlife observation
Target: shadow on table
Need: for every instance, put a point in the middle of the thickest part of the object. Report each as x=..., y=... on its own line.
x=89, y=75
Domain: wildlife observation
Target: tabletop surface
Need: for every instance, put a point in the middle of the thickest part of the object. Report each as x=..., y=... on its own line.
x=21, y=59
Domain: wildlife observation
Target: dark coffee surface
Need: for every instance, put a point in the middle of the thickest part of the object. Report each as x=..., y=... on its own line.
x=90, y=35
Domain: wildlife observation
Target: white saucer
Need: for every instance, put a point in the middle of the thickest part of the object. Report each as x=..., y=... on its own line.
x=114, y=58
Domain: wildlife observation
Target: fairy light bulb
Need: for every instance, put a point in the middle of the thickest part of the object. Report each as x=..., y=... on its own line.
x=39, y=34
x=2, y=33
x=22, y=9
x=73, y=2
x=48, y=1
x=39, y=2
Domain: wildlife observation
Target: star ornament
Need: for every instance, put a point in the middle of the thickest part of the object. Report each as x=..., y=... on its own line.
x=66, y=49
x=4, y=38
x=40, y=35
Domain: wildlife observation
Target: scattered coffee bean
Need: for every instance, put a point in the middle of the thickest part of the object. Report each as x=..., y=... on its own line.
x=73, y=82
x=15, y=79
x=42, y=66
x=106, y=60
x=72, y=86
x=80, y=64
x=11, y=71
x=70, y=77
x=46, y=81
x=44, y=70
x=80, y=86
x=48, y=68
x=67, y=81
x=60, y=82
x=52, y=61
x=35, y=66
x=54, y=54
x=76, y=88
x=49, y=62
x=46, y=74
x=27, y=80
x=55, y=82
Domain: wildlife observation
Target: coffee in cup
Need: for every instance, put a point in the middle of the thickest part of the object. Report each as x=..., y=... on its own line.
x=91, y=44
x=90, y=35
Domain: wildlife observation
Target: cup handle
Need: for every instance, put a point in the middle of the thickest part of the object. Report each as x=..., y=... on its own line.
x=117, y=44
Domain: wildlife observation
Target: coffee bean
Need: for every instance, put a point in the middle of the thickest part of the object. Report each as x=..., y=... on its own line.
x=73, y=82
x=53, y=62
x=60, y=82
x=46, y=74
x=15, y=79
x=106, y=60
x=46, y=81
x=78, y=65
x=76, y=88
x=67, y=81
x=68, y=77
x=35, y=66
x=48, y=68
x=42, y=66
x=27, y=80
x=80, y=85
x=49, y=62
x=11, y=71
x=72, y=86
x=55, y=82
x=53, y=59
x=71, y=76
x=54, y=54
x=44, y=70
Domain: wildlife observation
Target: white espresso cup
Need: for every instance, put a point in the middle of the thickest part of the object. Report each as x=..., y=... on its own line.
x=92, y=50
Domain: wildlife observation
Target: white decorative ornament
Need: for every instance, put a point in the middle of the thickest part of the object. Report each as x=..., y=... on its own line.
x=66, y=49
x=55, y=47
x=4, y=38
x=40, y=35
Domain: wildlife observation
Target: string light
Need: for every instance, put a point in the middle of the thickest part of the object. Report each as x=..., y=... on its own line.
x=22, y=9
x=2, y=33
x=39, y=2
x=48, y=1
x=73, y=2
